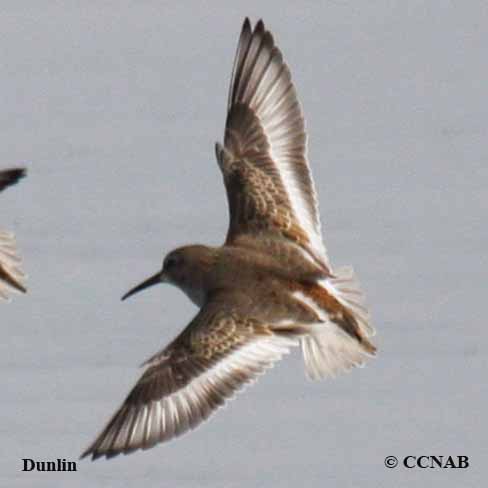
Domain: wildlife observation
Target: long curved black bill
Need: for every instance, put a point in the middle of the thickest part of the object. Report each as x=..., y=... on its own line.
x=153, y=280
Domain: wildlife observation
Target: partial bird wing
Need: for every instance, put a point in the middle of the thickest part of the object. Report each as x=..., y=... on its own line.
x=10, y=177
x=11, y=276
x=268, y=180
x=218, y=353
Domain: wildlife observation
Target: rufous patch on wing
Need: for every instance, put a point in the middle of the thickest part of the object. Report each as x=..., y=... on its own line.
x=336, y=312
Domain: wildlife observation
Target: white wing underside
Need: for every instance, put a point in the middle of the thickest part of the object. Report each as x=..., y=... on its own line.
x=10, y=264
x=141, y=426
x=261, y=81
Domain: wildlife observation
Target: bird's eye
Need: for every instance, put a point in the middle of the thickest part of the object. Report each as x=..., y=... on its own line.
x=170, y=262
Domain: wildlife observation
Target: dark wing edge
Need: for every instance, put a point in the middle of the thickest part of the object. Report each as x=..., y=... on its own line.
x=11, y=176
x=211, y=360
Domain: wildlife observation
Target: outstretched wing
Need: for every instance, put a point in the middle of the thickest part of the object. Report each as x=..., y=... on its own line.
x=266, y=173
x=11, y=276
x=10, y=177
x=218, y=353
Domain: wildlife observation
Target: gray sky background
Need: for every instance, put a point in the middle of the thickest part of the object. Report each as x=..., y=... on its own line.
x=114, y=107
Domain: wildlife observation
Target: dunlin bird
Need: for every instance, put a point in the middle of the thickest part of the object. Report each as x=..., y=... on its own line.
x=268, y=288
x=11, y=276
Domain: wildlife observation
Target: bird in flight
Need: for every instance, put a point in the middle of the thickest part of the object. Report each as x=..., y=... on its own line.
x=268, y=288
x=11, y=276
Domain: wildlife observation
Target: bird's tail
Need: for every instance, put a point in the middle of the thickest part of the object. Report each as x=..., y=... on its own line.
x=341, y=342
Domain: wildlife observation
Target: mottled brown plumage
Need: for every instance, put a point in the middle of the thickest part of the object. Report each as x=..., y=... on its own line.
x=268, y=288
x=11, y=276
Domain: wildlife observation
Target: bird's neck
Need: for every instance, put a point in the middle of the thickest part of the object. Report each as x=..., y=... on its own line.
x=201, y=276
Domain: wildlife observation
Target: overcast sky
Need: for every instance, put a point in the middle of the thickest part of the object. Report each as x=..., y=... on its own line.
x=114, y=108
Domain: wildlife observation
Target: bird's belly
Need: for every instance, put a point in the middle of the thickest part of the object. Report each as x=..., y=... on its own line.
x=274, y=301
x=268, y=285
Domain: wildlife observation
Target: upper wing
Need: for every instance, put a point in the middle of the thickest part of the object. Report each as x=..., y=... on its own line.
x=11, y=276
x=10, y=177
x=206, y=364
x=266, y=173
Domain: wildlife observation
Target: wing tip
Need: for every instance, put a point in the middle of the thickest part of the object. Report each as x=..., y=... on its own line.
x=11, y=176
x=17, y=172
x=87, y=452
x=247, y=24
x=13, y=280
x=93, y=453
x=259, y=27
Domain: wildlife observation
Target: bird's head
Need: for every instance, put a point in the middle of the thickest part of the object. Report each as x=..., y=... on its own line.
x=186, y=267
